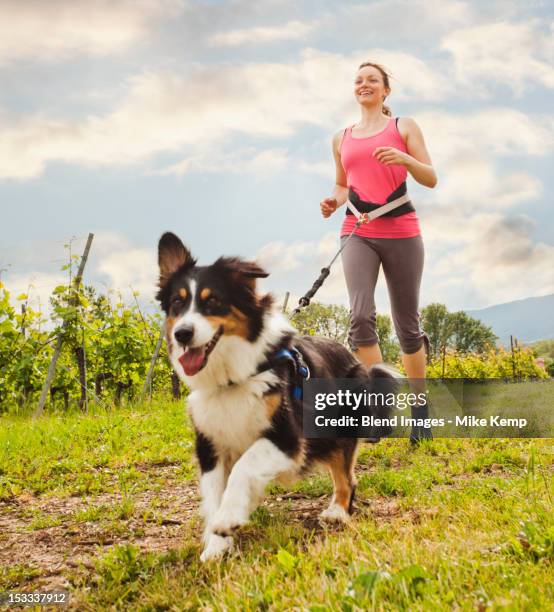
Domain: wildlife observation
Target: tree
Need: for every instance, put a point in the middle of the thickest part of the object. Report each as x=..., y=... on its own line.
x=469, y=334
x=455, y=330
x=332, y=321
x=390, y=349
x=436, y=322
x=543, y=348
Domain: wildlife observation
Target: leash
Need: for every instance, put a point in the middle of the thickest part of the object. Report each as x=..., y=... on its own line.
x=361, y=218
x=291, y=356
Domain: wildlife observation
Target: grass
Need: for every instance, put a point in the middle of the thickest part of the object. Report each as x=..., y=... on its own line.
x=463, y=524
x=104, y=452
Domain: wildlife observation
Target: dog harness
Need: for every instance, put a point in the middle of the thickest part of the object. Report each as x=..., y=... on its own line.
x=293, y=358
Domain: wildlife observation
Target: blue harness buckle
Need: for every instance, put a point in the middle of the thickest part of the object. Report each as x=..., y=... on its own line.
x=300, y=369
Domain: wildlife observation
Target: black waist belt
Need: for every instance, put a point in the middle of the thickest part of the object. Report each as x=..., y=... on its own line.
x=367, y=207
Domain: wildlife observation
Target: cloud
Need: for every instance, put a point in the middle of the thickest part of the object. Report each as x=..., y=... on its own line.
x=37, y=285
x=499, y=263
x=378, y=19
x=467, y=151
x=321, y=168
x=280, y=256
x=115, y=263
x=262, y=164
x=121, y=265
x=292, y=30
x=475, y=184
x=479, y=252
x=57, y=29
x=513, y=54
x=171, y=112
x=294, y=267
x=492, y=131
x=130, y=269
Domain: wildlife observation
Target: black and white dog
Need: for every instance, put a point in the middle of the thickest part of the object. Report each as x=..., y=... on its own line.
x=248, y=423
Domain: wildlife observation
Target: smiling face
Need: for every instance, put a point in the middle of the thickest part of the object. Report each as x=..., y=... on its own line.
x=194, y=311
x=369, y=86
x=204, y=303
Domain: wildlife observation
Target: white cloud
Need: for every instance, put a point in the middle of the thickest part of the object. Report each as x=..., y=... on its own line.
x=322, y=168
x=292, y=30
x=262, y=164
x=280, y=256
x=115, y=263
x=295, y=266
x=475, y=184
x=37, y=285
x=467, y=151
x=130, y=269
x=492, y=131
x=513, y=54
x=409, y=21
x=121, y=265
x=169, y=112
x=500, y=262
x=57, y=29
x=478, y=252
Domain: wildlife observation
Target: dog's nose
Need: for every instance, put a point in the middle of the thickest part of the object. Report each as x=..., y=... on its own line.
x=184, y=335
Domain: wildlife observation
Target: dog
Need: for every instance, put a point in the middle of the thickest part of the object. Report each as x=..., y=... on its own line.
x=248, y=423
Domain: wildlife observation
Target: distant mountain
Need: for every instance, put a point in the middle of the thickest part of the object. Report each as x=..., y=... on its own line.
x=527, y=320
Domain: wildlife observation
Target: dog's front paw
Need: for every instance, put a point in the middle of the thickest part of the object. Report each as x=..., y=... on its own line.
x=226, y=521
x=216, y=547
x=335, y=513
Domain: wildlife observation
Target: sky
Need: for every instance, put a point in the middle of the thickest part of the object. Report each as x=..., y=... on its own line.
x=214, y=120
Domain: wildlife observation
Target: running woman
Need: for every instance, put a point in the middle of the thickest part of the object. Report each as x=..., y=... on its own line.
x=373, y=158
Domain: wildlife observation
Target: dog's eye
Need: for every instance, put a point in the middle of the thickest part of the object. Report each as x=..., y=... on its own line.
x=213, y=302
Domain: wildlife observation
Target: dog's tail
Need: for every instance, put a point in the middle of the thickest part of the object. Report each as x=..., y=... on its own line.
x=384, y=382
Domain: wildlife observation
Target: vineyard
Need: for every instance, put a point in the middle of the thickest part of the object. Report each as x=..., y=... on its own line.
x=107, y=347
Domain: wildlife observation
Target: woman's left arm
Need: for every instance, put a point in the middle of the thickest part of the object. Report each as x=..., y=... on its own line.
x=416, y=159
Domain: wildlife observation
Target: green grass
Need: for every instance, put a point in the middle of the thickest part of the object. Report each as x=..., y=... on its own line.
x=463, y=524
x=104, y=452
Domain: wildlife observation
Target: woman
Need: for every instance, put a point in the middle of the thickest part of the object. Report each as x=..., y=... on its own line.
x=373, y=158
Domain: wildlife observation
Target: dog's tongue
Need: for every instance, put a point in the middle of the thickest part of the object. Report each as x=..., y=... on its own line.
x=192, y=360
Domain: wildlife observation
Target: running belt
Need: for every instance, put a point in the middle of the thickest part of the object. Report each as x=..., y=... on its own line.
x=398, y=203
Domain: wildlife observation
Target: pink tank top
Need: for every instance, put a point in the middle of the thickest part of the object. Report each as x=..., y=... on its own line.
x=374, y=182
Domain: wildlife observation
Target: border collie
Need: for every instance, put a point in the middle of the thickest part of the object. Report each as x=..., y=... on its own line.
x=248, y=422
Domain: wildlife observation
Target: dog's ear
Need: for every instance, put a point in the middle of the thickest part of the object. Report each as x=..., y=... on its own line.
x=250, y=269
x=241, y=271
x=172, y=255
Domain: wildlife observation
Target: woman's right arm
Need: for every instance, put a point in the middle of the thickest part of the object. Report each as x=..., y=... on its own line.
x=340, y=192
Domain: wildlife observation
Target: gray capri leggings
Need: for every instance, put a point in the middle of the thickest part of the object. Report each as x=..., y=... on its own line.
x=402, y=260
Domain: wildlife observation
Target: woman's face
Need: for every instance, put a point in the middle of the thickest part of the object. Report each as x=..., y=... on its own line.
x=369, y=87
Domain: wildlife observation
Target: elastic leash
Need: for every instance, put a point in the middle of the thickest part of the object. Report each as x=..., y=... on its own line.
x=361, y=218
x=291, y=356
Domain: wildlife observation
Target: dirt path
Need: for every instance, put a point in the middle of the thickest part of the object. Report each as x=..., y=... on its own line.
x=61, y=540
x=67, y=542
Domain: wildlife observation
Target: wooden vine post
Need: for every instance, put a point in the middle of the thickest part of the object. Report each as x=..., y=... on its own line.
x=59, y=343
x=150, y=373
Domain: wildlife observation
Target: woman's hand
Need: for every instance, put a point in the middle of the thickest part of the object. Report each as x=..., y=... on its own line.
x=328, y=206
x=390, y=155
